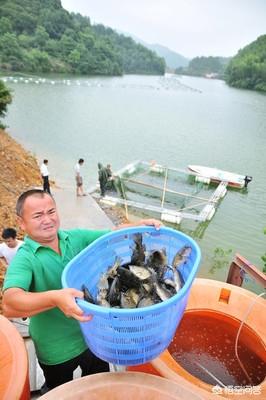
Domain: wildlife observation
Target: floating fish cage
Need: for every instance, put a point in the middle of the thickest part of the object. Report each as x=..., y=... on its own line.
x=170, y=194
x=130, y=336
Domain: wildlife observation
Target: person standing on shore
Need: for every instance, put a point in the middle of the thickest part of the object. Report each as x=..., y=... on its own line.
x=45, y=176
x=103, y=178
x=10, y=246
x=111, y=178
x=79, y=180
x=33, y=288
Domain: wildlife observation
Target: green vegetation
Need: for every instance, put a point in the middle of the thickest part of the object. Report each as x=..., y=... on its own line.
x=247, y=69
x=205, y=66
x=5, y=99
x=40, y=36
x=220, y=259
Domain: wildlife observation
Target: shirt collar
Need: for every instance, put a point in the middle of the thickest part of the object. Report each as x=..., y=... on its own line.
x=62, y=236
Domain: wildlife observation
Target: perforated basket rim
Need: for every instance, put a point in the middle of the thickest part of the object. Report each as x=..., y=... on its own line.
x=115, y=312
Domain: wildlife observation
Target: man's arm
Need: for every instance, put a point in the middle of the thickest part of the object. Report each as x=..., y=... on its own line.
x=19, y=303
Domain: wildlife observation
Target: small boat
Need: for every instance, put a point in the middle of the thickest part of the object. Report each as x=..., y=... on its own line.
x=218, y=175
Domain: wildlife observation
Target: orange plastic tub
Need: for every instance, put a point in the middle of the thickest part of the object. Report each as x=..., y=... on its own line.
x=14, y=379
x=227, y=304
x=121, y=386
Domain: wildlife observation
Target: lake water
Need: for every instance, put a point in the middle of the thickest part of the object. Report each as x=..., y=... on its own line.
x=174, y=120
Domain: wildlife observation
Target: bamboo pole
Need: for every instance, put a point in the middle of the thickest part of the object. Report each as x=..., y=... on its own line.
x=125, y=199
x=192, y=206
x=164, y=187
x=167, y=190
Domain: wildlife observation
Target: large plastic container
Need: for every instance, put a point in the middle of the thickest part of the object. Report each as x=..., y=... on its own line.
x=130, y=336
x=224, y=301
x=121, y=386
x=14, y=379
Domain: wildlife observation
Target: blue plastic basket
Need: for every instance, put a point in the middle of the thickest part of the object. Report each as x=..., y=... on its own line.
x=130, y=336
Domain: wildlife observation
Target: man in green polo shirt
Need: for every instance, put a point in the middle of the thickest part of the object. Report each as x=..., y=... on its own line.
x=32, y=288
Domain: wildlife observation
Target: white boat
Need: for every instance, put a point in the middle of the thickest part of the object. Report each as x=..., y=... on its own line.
x=218, y=175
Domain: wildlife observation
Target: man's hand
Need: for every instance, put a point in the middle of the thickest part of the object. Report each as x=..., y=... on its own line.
x=64, y=299
x=148, y=222
x=151, y=222
x=19, y=303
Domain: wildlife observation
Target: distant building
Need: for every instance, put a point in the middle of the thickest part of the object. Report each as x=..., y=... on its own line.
x=212, y=75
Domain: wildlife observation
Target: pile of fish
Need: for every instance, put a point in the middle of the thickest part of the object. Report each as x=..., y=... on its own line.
x=146, y=280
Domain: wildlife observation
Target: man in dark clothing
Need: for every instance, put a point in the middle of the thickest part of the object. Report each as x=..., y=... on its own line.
x=103, y=178
x=110, y=185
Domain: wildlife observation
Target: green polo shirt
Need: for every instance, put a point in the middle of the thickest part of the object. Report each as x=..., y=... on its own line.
x=37, y=268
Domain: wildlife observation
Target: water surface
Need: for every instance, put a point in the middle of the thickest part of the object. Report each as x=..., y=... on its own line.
x=174, y=120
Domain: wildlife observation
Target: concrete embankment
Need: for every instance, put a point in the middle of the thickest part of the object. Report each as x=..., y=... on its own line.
x=79, y=212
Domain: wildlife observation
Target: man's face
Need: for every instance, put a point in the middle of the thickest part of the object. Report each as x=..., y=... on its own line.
x=10, y=242
x=39, y=219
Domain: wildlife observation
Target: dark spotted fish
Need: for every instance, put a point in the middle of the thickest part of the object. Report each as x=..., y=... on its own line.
x=143, y=281
x=181, y=256
x=138, y=254
x=87, y=295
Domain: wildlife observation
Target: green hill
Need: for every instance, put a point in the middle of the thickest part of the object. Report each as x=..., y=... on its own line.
x=173, y=60
x=205, y=66
x=248, y=68
x=41, y=36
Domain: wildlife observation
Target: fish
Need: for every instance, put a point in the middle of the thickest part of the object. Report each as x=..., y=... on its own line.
x=103, y=282
x=145, y=279
x=181, y=256
x=87, y=295
x=147, y=287
x=161, y=292
x=145, y=302
x=157, y=260
x=138, y=253
x=130, y=298
x=114, y=293
x=178, y=280
x=112, y=271
x=103, y=287
x=127, y=278
x=101, y=301
x=141, y=273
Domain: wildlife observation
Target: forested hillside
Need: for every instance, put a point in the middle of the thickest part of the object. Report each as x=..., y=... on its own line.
x=248, y=68
x=173, y=60
x=41, y=36
x=205, y=66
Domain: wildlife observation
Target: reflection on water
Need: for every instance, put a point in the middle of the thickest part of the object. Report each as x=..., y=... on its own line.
x=204, y=345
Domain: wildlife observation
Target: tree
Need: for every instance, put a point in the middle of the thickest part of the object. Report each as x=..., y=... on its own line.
x=5, y=26
x=10, y=52
x=202, y=66
x=39, y=35
x=37, y=61
x=247, y=69
x=67, y=45
x=5, y=99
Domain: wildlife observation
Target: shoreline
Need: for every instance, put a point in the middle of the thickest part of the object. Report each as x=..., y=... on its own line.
x=20, y=172
x=115, y=213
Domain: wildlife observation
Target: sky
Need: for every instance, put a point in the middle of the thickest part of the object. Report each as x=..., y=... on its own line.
x=189, y=27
